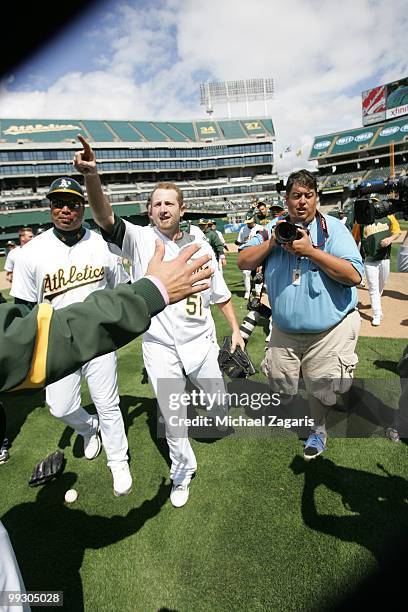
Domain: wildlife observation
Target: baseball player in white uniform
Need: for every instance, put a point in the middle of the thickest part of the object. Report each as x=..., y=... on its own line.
x=63, y=266
x=181, y=340
x=246, y=232
x=25, y=234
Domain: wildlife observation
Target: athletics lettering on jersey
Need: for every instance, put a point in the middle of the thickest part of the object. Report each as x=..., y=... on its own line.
x=60, y=283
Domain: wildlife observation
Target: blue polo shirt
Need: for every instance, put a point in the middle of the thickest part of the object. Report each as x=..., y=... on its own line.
x=318, y=302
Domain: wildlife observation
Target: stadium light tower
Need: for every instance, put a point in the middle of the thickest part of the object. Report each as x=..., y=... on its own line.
x=236, y=91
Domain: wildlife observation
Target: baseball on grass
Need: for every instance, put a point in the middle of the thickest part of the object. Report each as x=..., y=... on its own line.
x=70, y=496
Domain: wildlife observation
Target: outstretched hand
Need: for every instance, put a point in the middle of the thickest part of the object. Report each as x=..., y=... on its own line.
x=180, y=277
x=85, y=160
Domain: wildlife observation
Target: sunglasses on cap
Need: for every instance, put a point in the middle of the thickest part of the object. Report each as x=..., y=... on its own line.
x=71, y=204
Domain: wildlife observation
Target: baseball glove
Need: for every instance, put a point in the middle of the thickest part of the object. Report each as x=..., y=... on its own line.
x=236, y=364
x=47, y=469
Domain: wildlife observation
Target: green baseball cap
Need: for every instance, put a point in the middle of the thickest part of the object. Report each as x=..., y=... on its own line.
x=65, y=185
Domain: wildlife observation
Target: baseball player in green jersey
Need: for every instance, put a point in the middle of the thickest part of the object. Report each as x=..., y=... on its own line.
x=376, y=239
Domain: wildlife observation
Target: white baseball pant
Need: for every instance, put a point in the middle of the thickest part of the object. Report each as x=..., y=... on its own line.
x=376, y=273
x=64, y=400
x=10, y=576
x=163, y=363
x=247, y=280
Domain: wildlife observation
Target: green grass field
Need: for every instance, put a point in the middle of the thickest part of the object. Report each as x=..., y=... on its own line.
x=262, y=530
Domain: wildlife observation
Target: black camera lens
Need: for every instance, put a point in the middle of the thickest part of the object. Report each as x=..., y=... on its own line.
x=286, y=232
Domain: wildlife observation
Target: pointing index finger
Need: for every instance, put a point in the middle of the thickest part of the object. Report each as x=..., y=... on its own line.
x=87, y=147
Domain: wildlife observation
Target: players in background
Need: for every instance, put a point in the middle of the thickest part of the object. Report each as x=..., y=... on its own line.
x=25, y=234
x=214, y=241
x=181, y=341
x=246, y=232
x=262, y=216
x=190, y=228
x=376, y=239
x=10, y=245
x=213, y=226
x=64, y=265
x=276, y=209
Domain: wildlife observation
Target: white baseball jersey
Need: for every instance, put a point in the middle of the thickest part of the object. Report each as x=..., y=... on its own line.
x=11, y=259
x=49, y=270
x=196, y=232
x=220, y=236
x=246, y=233
x=188, y=325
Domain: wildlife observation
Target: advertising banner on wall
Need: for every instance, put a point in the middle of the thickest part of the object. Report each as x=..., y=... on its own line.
x=384, y=102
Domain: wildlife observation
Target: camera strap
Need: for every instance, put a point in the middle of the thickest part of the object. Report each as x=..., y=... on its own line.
x=323, y=227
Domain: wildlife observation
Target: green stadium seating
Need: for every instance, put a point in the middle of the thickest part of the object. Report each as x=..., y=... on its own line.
x=149, y=132
x=185, y=128
x=59, y=130
x=171, y=132
x=231, y=129
x=378, y=173
x=98, y=131
x=125, y=131
x=207, y=130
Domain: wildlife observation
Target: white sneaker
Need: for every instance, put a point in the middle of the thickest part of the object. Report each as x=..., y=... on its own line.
x=92, y=441
x=246, y=296
x=179, y=495
x=122, y=479
x=376, y=320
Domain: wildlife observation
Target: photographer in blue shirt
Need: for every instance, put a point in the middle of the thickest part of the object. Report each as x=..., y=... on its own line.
x=311, y=280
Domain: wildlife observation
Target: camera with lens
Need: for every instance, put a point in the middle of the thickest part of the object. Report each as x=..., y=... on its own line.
x=255, y=304
x=367, y=210
x=286, y=232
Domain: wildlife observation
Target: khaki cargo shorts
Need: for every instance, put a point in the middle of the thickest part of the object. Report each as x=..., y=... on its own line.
x=326, y=360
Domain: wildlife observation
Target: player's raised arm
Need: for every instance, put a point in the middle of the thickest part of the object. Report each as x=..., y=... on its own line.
x=85, y=163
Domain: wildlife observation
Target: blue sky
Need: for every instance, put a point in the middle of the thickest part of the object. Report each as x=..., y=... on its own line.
x=145, y=60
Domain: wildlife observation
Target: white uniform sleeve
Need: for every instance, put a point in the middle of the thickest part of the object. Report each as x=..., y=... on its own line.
x=220, y=236
x=240, y=237
x=219, y=290
x=254, y=231
x=132, y=242
x=128, y=241
x=10, y=260
x=116, y=272
x=24, y=285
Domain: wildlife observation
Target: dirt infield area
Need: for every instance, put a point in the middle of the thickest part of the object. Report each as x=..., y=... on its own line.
x=394, y=306
x=4, y=284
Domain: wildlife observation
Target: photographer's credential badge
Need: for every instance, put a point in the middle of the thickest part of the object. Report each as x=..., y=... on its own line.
x=296, y=273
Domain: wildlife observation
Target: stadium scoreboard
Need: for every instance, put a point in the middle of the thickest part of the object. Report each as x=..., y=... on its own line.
x=385, y=102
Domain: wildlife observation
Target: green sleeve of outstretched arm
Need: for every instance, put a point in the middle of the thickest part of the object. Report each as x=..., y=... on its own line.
x=48, y=344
